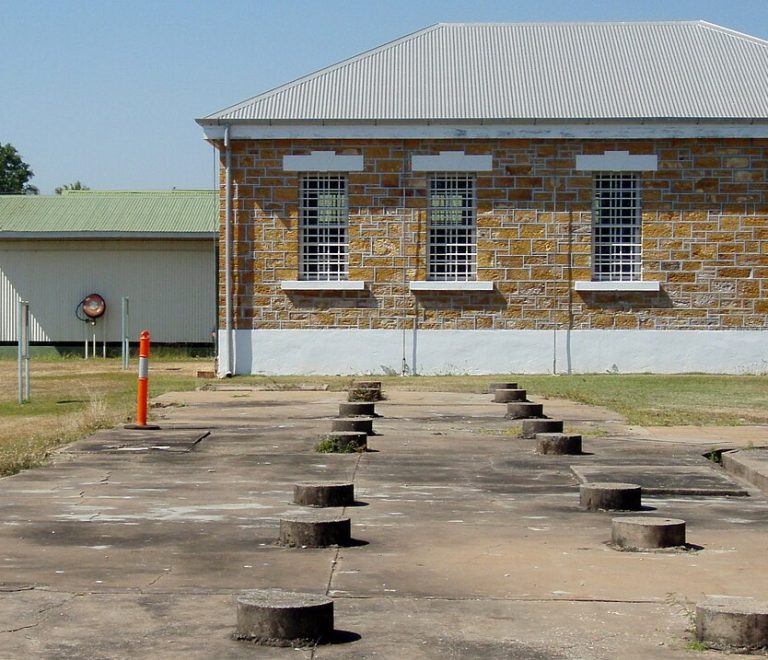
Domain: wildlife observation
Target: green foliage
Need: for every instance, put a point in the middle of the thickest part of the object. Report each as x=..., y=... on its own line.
x=14, y=173
x=333, y=446
x=70, y=186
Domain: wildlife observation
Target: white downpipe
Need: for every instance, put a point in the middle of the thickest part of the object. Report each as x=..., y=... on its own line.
x=226, y=357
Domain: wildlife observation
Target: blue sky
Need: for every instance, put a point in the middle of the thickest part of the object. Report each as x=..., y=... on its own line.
x=106, y=92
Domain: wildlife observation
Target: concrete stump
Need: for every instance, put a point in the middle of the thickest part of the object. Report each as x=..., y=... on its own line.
x=504, y=395
x=533, y=426
x=558, y=443
x=315, y=530
x=364, y=394
x=609, y=496
x=524, y=410
x=273, y=617
x=357, y=424
x=343, y=442
x=732, y=623
x=322, y=495
x=357, y=408
x=647, y=532
x=492, y=387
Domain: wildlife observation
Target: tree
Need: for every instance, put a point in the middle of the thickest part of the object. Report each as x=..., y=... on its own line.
x=70, y=186
x=14, y=173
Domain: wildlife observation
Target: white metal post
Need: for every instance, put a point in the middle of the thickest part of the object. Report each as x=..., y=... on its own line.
x=23, y=350
x=124, y=331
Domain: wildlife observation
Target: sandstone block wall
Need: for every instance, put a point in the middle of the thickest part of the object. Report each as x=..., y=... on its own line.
x=704, y=237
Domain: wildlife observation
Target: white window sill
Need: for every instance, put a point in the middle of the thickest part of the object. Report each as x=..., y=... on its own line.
x=617, y=286
x=322, y=285
x=450, y=286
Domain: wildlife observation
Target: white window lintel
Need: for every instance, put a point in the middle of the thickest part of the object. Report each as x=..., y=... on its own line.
x=617, y=161
x=323, y=161
x=452, y=161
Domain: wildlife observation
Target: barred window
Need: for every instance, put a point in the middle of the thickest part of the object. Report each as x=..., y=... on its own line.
x=324, y=217
x=616, y=247
x=452, y=227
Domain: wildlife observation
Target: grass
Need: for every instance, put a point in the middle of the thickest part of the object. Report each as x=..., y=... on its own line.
x=72, y=397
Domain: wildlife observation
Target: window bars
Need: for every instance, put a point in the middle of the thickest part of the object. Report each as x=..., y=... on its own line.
x=324, y=218
x=616, y=247
x=452, y=228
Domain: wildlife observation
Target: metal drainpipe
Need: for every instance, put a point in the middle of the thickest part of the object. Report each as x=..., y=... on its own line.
x=226, y=368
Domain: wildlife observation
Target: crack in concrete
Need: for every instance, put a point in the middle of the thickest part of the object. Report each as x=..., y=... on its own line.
x=158, y=578
x=15, y=630
x=43, y=611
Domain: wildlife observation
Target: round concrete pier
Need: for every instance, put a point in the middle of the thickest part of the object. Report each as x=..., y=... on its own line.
x=364, y=394
x=343, y=442
x=647, y=532
x=357, y=424
x=733, y=623
x=504, y=395
x=609, y=496
x=357, y=409
x=524, y=410
x=558, y=443
x=533, y=426
x=321, y=495
x=315, y=530
x=273, y=617
x=492, y=387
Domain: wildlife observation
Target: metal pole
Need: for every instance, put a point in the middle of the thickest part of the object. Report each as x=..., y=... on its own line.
x=124, y=332
x=19, y=352
x=23, y=350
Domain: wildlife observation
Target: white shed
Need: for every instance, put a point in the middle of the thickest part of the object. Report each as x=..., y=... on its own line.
x=155, y=248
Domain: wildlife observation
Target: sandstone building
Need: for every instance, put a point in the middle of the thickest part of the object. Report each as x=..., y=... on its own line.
x=479, y=198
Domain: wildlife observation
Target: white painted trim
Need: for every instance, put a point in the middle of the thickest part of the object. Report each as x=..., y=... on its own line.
x=353, y=351
x=322, y=285
x=323, y=161
x=545, y=130
x=452, y=161
x=440, y=285
x=617, y=161
x=647, y=285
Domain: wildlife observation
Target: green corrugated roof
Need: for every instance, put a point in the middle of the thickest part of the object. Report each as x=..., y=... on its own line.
x=107, y=212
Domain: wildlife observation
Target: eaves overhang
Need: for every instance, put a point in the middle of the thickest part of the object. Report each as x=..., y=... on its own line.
x=619, y=128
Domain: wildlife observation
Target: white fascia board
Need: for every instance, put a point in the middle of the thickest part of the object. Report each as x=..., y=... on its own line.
x=322, y=285
x=449, y=286
x=452, y=161
x=647, y=285
x=323, y=161
x=543, y=130
x=617, y=161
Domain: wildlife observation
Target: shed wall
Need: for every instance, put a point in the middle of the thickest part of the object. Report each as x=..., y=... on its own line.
x=170, y=285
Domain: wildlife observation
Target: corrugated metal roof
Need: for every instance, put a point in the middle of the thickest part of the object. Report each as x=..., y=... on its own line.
x=111, y=212
x=530, y=71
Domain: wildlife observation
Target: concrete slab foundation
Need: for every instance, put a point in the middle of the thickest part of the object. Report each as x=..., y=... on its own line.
x=474, y=545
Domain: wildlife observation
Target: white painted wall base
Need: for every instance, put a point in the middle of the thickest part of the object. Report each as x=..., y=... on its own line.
x=431, y=352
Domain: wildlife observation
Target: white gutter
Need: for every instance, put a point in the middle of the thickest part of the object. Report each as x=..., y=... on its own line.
x=225, y=364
